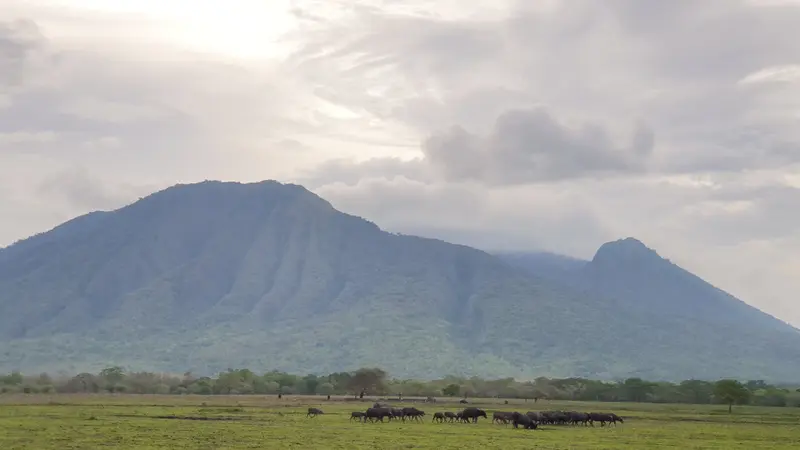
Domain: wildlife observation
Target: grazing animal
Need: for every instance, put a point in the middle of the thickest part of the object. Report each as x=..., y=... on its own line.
x=522, y=419
x=473, y=413
x=438, y=417
x=604, y=418
x=374, y=414
x=314, y=412
x=535, y=416
x=397, y=413
x=358, y=415
x=575, y=418
x=501, y=416
x=463, y=401
x=413, y=413
x=451, y=416
x=555, y=417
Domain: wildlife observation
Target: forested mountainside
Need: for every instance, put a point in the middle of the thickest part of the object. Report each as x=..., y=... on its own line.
x=267, y=275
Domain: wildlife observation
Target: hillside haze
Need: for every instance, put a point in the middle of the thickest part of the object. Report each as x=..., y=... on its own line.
x=266, y=275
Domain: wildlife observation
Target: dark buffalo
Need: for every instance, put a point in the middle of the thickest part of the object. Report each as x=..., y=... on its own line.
x=576, y=418
x=413, y=413
x=438, y=417
x=397, y=413
x=357, y=415
x=463, y=401
x=314, y=412
x=501, y=416
x=522, y=419
x=604, y=418
x=535, y=416
x=473, y=413
x=555, y=417
x=374, y=414
x=451, y=416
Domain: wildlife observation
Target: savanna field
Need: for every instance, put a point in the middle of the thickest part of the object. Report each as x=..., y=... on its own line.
x=84, y=421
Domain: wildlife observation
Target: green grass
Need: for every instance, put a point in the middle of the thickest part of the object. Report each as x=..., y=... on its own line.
x=164, y=422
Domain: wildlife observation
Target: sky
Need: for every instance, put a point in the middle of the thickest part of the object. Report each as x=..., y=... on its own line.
x=508, y=125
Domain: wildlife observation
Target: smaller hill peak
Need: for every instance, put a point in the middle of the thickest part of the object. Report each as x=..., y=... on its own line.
x=626, y=249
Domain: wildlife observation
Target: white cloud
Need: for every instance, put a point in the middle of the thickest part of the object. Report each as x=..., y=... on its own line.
x=554, y=125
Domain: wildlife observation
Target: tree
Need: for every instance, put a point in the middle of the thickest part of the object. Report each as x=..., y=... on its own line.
x=113, y=377
x=636, y=389
x=272, y=387
x=730, y=392
x=13, y=379
x=368, y=380
x=311, y=382
x=325, y=389
x=451, y=390
x=696, y=391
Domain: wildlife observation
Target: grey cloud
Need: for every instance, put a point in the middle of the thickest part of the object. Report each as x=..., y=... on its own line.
x=467, y=213
x=20, y=40
x=531, y=146
x=82, y=191
x=674, y=64
x=524, y=146
x=128, y=116
x=736, y=214
x=348, y=172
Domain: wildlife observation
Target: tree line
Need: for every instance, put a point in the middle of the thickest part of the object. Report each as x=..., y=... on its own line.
x=375, y=381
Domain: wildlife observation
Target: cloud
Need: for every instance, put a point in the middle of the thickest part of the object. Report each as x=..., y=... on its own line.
x=136, y=113
x=20, y=43
x=531, y=146
x=618, y=62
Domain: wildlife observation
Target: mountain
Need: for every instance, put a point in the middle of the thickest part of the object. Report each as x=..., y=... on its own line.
x=266, y=275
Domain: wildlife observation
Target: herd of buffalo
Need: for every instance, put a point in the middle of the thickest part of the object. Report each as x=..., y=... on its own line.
x=530, y=420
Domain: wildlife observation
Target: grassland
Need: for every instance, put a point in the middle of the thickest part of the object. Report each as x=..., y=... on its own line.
x=176, y=422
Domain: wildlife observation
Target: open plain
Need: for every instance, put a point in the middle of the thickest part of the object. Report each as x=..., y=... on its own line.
x=88, y=421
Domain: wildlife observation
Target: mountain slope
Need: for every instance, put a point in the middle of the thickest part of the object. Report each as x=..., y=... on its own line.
x=270, y=276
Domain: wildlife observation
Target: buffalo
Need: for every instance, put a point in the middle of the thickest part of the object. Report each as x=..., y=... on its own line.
x=522, y=419
x=358, y=415
x=397, y=413
x=501, y=416
x=575, y=418
x=473, y=413
x=412, y=413
x=604, y=418
x=314, y=412
x=535, y=416
x=374, y=414
x=438, y=417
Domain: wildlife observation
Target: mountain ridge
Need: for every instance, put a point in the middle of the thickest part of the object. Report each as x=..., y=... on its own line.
x=268, y=275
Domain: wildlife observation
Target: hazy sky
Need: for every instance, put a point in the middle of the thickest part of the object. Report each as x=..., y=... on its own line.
x=506, y=125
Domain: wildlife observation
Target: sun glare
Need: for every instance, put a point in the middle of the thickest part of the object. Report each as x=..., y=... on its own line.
x=237, y=28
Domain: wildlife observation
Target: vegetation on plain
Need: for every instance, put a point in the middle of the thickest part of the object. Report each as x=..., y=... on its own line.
x=375, y=381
